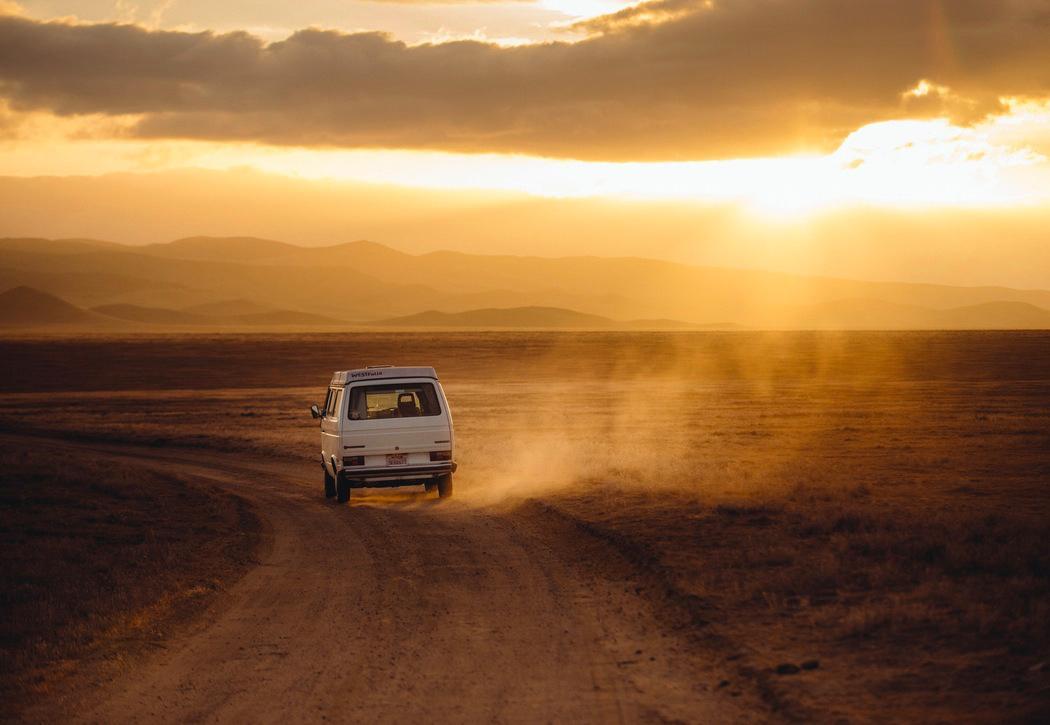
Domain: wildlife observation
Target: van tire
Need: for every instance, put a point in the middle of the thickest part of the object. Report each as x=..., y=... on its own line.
x=342, y=489
x=444, y=486
x=329, y=485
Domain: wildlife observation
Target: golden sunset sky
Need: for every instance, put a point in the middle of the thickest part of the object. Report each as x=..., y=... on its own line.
x=889, y=139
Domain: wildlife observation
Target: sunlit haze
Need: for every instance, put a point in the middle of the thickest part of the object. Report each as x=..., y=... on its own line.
x=923, y=137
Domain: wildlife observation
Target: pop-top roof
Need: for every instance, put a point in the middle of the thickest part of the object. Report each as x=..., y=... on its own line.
x=381, y=372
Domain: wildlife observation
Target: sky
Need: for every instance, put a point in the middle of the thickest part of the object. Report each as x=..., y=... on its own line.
x=927, y=117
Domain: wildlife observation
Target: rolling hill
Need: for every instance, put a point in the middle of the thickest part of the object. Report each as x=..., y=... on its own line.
x=529, y=317
x=362, y=282
x=223, y=308
x=26, y=307
x=998, y=316
x=550, y=318
x=150, y=315
x=162, y=316
x=224, y=249
x=282, y=318
x=862, y=314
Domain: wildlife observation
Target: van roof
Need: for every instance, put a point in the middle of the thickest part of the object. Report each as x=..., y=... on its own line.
x=381, y=372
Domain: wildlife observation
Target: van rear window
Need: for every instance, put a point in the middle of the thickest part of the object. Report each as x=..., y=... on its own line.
x=393, y=400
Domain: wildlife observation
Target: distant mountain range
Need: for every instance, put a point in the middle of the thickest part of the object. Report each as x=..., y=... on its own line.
x=535, y=318
x=244, y=282
x=28, y=307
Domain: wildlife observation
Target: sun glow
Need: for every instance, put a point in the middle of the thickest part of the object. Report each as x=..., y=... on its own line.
x=897, y=163
x=905, y=163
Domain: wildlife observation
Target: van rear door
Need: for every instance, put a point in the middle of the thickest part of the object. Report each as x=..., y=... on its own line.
x=395, y=422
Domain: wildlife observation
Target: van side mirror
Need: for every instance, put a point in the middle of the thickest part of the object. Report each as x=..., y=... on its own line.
x=314, y=411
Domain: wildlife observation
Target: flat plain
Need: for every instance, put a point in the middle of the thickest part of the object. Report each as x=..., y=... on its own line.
x=807, y=525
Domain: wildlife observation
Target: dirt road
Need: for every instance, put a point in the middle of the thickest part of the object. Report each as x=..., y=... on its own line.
x=403, y=608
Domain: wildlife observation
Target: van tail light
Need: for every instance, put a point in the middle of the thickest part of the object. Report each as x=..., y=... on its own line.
x=353, y=460
x=441, y=455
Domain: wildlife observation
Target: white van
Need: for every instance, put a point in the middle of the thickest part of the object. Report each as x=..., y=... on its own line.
x=385, y=426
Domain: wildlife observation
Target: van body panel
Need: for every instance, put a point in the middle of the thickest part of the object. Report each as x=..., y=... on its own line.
x=331, y=431
x=395, y=440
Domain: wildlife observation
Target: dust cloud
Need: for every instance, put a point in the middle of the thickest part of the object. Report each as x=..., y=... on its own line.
x=734, y=417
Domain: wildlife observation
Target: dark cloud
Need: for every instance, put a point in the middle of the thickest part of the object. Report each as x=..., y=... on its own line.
x=671, y=79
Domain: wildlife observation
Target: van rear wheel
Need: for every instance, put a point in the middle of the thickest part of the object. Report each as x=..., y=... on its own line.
x=444, y=486
x=329, y=485
x=342, y=487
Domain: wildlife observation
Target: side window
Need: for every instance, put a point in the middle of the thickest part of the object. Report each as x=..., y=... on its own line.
x=327, y=401
x=334, y=399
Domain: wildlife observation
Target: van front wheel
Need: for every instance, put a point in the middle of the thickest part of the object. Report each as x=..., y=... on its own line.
x=329, y=485
x=342, y=490
x=444, y=486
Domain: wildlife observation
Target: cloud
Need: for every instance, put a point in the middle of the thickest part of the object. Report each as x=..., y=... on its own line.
x=671, y=79
x=654, y=12
x=10, y=124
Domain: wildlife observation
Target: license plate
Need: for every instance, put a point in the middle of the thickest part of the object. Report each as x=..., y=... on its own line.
x=396, y=459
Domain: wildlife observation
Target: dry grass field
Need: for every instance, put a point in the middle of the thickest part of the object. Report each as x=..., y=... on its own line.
x=100, y=560
x=855, y=522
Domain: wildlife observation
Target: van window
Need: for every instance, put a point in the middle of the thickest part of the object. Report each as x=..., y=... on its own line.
x=393, y=400
x=334, y=399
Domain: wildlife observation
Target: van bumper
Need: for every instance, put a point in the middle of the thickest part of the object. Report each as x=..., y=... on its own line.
x=379, y=476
